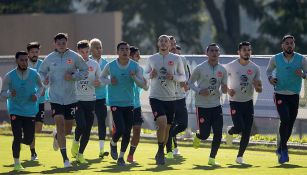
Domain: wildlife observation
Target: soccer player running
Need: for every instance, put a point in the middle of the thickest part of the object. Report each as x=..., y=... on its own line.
x=34, y=62
x=243, y=78
x=86, y=97
x=137, y=111
x=291, y=68
x=180, y=122
x=61, y=69
x=22, y=88
x=211, y=81
x=101, y=91
x=123, y=73
x=163, y=69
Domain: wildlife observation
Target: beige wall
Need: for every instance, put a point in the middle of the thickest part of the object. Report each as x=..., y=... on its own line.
x=18, y=30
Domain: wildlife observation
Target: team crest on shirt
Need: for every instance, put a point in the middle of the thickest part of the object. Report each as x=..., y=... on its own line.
x=219, y=74
x=13, y=117
x=201, y=120
x=91, y=69
x=171, y=63
x=279, y=102
x=155, y=113
x=53, y=111
x=249, y=72
x=69, y=61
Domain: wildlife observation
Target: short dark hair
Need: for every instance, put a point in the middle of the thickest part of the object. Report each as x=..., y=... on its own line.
x=83, y=44
x=286, y=37
x=243, y=43
x=133, y=50
x=171, y=37
x=60, y=36
x=178, y=47
x=32, y=45
x=20, y=53
x=121, y=43
x=212, y=44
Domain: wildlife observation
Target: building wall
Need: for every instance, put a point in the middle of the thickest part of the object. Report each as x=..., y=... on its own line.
x=18, y=30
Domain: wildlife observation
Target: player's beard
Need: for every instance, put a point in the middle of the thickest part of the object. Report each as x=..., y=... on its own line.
x=34, y=59
x=22, y=69
x=289, y=51
x=246, y=58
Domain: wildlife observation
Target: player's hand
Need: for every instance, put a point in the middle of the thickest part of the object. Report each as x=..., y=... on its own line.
x=273, y=81
x=113, y=81
x=46, y=82
x=185, y=86
x=34, y=98
x=231, y=92
x=43, y=92
x=299, y=72
x=96, y=83
x=258, y=85
x=204, y=92
x=132, y=73
x=153, y=73
x=68, y=76
x=169, y=76
x=13, y=93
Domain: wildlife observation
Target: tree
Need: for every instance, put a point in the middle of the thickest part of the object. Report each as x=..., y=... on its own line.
x=227, y=21
x=145, y=20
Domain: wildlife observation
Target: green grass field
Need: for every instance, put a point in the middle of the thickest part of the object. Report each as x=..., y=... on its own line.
x=261, y=159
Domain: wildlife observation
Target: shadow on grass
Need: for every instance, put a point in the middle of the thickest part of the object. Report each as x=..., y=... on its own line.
x=287, y=166
x=16, y=172
x=206, y=167
x=177, y=160
x=242, y=166
x=114, y=168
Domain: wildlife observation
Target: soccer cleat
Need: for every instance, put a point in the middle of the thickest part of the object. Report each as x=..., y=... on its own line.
x=74, y=148
x=18, y=167
x=103, y=154
x=114, y=153
x=213, y=162
x=176, y=152
x=160, y=159
x=130, y=159
x=55, y=141
x=121, y=162
x=240, y=160
x=229, y=137
x=284, y=157
x=34, y=157
x=67, y=164
x=80, y=159
x=169, y=155
x=196, y=142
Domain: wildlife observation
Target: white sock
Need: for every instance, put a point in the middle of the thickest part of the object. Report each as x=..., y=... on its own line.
x=16, y=161
x=101, y=144
x=113, y=143
x=121, y=154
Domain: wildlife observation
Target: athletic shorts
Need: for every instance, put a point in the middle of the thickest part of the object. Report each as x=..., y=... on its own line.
x=68, y=111
x=41, y=113
x=160, y=108
x=137, y=116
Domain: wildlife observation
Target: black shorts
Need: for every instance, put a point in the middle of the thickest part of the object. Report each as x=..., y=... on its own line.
x=137, y=116
x=41, y=113
x=68, y=111
x=160, y=108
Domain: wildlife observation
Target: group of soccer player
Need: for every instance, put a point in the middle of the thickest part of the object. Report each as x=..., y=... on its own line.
x=80, y=86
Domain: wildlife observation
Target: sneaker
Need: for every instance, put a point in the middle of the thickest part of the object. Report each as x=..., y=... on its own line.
x=67, y=164
x=160, y=159
x=55, y=141
x=213, y=162
x=34, y=157
x=240, y=160
x=169, y=155
x=103, y=154
x=284, y=157
x=121, y=162
x=229, y=137
x=74, y=148
x=130, y=159
x=18, y=167
x=176, y=152
x=80, y=159
x=114, y=153
x=196, y=142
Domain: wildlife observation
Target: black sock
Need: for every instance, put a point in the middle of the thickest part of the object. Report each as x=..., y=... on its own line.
x=33, y=153
x=64, y=154
x=175, y=142
x=132, y=150
x=161, y=146
x=56, y=136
